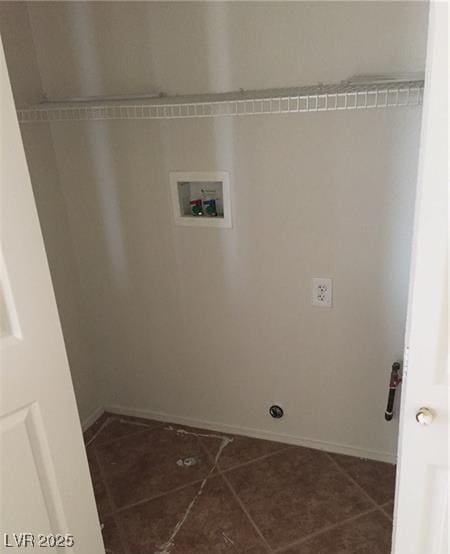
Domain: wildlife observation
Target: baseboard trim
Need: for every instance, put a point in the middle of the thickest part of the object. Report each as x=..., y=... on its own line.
x=92, y=418
x=256, y=433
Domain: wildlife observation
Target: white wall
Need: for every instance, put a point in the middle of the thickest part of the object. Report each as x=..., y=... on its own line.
x=192, y=47
x=215, y=325
x=26, y=82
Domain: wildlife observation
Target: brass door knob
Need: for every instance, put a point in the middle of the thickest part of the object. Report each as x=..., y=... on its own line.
x=424, y=416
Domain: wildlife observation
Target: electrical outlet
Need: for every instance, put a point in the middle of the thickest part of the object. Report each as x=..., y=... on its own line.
x=322, y=292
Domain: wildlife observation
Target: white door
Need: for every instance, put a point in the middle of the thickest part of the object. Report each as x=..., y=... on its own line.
x=44, y=478
x=421, y=514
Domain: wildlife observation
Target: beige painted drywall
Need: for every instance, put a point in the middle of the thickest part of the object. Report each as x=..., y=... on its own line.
x=193, y=47
x=215, y=325
x=25, y=78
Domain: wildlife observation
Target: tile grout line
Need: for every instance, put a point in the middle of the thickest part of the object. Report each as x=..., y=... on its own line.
x=120, y=509
x=249, y=462
x=221, y=473
x=99, y=430
x=156, y=496
x=385, y=512
x=381, y=507
x=167, y=546
x=136, y=433
x=114, y=439
x=225, y=440
x=376, y=507
x=244, y=509
x=367, y=495
x=260, y=458
x=196, y=481
x=327, y=529
x=117, y=522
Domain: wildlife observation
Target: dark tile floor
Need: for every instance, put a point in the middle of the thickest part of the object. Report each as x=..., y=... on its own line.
x=167, y=489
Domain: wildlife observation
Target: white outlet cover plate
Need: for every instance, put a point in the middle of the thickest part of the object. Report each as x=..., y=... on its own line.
x=322, y=292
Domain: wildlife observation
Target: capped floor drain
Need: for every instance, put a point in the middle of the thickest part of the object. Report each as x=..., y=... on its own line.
x=187, y=462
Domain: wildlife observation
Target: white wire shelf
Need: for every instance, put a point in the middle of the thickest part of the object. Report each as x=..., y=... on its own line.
x=344, y=96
